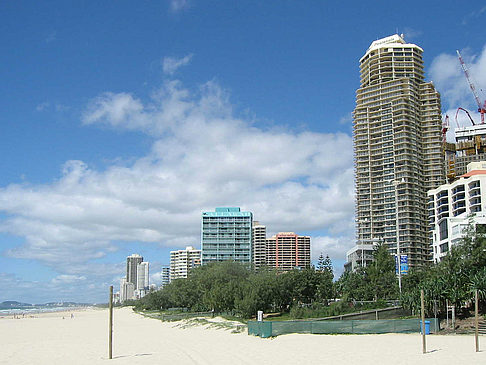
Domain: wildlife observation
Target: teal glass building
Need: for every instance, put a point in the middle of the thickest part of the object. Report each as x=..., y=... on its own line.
x=226, y=235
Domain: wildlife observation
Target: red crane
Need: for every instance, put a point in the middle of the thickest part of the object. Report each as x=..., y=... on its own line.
x=481, y=107
x=469, y=115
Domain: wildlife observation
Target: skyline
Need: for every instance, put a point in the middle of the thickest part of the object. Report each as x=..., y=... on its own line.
x=122, y=124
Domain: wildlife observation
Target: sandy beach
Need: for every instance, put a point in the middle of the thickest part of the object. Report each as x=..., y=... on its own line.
x=50, y=339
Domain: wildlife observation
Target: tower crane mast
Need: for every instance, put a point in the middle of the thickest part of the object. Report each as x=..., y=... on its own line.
x=481, y=107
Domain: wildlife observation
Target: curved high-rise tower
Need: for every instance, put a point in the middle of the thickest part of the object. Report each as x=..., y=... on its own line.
x=397, y=145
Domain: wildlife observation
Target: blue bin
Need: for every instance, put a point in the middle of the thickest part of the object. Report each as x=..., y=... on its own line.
x=427, y=327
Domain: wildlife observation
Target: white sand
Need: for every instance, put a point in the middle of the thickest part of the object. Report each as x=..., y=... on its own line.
x=49, y=339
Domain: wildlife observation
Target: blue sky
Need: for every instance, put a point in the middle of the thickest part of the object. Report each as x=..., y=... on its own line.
x=123, y=120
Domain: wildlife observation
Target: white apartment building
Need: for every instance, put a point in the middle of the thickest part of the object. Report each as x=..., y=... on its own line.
x=360, y=255
x=127, y=290
x=142, y=280
x=136, y=283
x=452, y=206
x=182, y=261
x=397, y=147
x=259, y=244
x=143, y=276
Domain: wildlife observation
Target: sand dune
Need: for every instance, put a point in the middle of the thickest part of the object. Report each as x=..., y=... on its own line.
x=49, y=339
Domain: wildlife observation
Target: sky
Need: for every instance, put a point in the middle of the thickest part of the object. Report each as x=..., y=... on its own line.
x=123, y=120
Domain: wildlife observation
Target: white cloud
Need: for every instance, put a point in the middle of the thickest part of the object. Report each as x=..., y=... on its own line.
x=334, y=246
x=42, y=106
x=178, y=5
x=202, y=157
x=171, y=64
x=346, y=119
x=449, y=78
x=410, y=33
x=68, y=279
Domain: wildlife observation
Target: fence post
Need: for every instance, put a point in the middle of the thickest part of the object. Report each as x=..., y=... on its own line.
x=476, y=314
x=110, y=332
x=454, y=317
x=424, y=349
x=447, y=315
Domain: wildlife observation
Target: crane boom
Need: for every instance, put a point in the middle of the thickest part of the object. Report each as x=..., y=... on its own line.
x=445, y=128
x=469, y=115
x=481, y=108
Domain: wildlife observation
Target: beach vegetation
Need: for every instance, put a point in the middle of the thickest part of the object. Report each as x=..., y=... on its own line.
x=454, y=279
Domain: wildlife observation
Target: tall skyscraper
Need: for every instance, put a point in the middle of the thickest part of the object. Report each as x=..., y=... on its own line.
x=226, y=235
x=397, y=145
x=259, y=236
x=183, y=261
x=132, y=262
x=287, y=251
x=143, y=276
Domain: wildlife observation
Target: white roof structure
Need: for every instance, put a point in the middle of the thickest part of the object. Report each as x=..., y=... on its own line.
x=391, y=41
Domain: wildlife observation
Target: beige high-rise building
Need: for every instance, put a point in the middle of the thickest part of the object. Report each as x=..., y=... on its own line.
x=182, y=261
x=397, y=145
x=287, y=251
x=259, y=236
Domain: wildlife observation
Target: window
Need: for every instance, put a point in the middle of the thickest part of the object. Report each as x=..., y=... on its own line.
x=443, y=234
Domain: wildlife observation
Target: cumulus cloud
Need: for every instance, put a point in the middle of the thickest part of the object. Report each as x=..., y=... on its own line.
x=171, y=64
x=203, y=156
x=68, y=279
x=449, y=78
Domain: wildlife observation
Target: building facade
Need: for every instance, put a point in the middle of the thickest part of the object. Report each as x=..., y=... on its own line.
x=452, y=207
x=397, y=147
x=165, y=276
x=226, y=234
x=361, y=255
x=127, y=290
x=469, y=146
x=259, y=237
x=287, y=251
x=132, y=263
x=136, y=283
x=143, y=276
x=183, y=261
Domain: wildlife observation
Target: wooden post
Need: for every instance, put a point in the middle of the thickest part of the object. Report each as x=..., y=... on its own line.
x=424, y=349
x=476, y=314
x=447, y=311
x=110, y=333
x=454, y=317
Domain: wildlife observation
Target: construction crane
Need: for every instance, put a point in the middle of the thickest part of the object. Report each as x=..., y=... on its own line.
x=445, y=128
x=481, y=107
x=469, y=115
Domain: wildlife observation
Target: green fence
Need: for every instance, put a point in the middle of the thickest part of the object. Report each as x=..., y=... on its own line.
x=186, y=315
x=275, y=328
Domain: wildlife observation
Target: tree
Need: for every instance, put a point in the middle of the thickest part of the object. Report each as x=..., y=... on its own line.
x=320, y=263
x=381, y=274
x=325, y=288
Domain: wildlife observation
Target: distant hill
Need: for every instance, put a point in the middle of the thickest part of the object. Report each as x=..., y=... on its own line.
x=12, y=304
